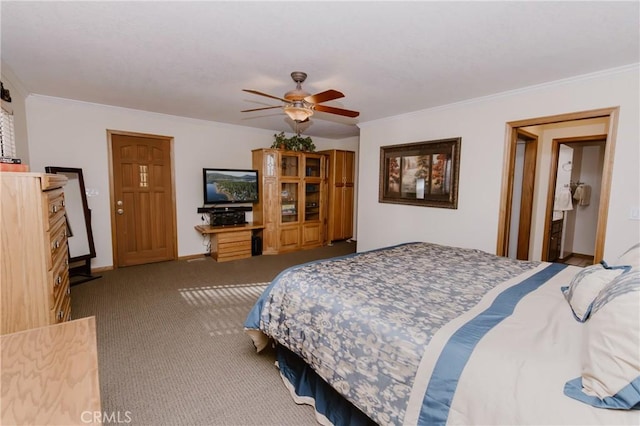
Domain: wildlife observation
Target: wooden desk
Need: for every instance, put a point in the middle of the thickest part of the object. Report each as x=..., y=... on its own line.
x=49, y=375
x=230, y=242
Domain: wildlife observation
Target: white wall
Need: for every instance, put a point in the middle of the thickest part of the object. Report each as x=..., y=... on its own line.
x=68, y=133
x=481, y=124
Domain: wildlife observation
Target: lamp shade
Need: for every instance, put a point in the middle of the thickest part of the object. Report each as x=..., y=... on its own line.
x=297, y=111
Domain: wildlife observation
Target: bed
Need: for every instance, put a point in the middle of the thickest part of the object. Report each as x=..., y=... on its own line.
x=421, y=333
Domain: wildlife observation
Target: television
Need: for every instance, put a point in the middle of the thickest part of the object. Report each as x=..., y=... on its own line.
x=228, y=186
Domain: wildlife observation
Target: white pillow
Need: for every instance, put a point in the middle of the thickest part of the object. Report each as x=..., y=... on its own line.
x=630, y=257
x=586, y=285
x=611, y=349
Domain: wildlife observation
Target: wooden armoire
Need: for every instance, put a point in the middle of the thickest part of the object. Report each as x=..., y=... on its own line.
x=292, y=199
x=341, y=176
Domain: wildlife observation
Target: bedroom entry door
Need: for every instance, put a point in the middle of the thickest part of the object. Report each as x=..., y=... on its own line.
x=142, y=199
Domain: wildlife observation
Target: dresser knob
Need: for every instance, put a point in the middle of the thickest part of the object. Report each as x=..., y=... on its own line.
x=58, y=280
x=54, y=209
x=60, y=315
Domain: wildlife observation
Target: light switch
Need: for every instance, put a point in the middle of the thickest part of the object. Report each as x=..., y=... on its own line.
x=634, y=214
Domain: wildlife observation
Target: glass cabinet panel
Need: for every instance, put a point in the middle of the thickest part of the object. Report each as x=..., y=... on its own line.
x=312, y=201
x=289, y=165
x=289, y=202
x=312, y=167
x=270, y=164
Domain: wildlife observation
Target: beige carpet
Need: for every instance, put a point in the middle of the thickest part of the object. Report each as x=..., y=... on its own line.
x=170, y=342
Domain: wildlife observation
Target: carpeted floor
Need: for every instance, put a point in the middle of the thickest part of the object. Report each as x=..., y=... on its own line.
x=171, y=348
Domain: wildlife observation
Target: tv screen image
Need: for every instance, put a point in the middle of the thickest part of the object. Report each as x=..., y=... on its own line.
x=223, y=186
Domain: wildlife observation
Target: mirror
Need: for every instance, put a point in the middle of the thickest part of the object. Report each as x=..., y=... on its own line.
x=80, y=236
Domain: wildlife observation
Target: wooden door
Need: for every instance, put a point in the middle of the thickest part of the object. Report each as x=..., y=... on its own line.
x=143, y=202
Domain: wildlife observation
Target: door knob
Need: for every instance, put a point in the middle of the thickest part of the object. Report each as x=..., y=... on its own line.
x=120, y=211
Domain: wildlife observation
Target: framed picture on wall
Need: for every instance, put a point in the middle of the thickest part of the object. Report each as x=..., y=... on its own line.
x=421, y=173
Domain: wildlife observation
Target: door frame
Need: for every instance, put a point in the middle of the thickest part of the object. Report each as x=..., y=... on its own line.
x=112, y=197
x=511, y=139
x=528, y=186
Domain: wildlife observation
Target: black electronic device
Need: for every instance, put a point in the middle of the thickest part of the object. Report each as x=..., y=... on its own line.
x=227, y=218
x=229, y=186
x=224, y=209
x=256, y=245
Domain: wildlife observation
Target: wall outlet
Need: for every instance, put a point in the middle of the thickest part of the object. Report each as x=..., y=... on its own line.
x=634, y=213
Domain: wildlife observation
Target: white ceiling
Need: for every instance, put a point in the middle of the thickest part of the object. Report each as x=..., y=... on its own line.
x=193, y=59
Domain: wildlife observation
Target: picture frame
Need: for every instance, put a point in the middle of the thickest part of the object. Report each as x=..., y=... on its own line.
x=421, y=173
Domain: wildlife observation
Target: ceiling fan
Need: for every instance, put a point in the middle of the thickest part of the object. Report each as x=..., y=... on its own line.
x=299, y=104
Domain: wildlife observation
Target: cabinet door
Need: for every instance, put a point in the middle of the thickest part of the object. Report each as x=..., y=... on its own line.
x=270, y=198
x=289, y=202
x=312, y=235
x=289, y=238
x=312, y=201
x=289, y=165
x=343, y=192
x=312, y=166
x=347, y=212
x=348, y=194
x=269, y=169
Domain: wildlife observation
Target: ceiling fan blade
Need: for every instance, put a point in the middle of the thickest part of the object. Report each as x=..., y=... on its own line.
x=255, y=92
x=338, y=111
x=327, y=95
x=260, y=109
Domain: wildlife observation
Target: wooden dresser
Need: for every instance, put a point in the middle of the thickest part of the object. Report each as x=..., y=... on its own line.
x=34, y=269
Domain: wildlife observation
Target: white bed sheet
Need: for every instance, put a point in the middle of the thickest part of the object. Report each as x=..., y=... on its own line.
x=518, y=370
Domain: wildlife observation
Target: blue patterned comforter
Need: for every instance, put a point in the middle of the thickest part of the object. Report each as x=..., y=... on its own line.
x=363, y=321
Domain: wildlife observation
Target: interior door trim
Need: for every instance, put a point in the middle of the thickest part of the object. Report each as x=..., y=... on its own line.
x=511, y=138
x=528, y=187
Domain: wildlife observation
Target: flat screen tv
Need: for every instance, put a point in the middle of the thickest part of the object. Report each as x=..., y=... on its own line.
x=227, y=186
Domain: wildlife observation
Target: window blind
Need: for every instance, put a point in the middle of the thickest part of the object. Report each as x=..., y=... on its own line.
x=7, y=135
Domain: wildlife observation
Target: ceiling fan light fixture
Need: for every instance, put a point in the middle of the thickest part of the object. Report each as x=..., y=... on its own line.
x=298, y=111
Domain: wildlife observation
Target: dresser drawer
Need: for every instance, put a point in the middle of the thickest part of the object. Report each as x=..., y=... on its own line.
x=57, y=242
x=55, y=205
x=62, y=310
x=232, y=237
x=556, y=226
x=235, y=246
x=58, y=279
